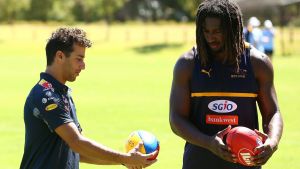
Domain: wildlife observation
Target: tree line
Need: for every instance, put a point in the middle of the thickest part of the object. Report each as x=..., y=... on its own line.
x=96, y=10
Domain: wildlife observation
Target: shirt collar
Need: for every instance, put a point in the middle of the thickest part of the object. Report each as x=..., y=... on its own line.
x=55, y=83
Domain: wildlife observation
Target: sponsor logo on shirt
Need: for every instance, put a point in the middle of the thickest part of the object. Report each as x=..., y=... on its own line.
x=36, y=112
x=222, y=106
x=206, y=72
x=239, y=74
x=48, y=93
x=222, y=119
x=44, y=100
x=51, y=107
x=45, y=84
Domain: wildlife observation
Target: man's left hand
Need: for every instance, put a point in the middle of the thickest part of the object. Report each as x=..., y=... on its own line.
x=266, y=150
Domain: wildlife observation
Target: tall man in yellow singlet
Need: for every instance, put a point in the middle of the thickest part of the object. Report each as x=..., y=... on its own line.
x=216, y=86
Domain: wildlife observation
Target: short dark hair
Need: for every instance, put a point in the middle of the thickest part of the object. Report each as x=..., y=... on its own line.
x=63, y=40
x=231, y=27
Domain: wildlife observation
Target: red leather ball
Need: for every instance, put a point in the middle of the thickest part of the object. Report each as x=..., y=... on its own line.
x=242, y=142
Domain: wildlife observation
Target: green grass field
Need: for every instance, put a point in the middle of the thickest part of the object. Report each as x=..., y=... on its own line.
x=126, y=87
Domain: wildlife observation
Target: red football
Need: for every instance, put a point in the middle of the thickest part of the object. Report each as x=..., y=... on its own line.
x=242, y=142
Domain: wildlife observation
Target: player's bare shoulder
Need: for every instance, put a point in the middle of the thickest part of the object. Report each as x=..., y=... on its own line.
x=185, y=64
x=261, y=63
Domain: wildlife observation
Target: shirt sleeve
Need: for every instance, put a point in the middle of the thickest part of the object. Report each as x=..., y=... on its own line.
x=50, y=108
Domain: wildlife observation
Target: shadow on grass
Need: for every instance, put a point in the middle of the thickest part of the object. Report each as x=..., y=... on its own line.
x=156, y=47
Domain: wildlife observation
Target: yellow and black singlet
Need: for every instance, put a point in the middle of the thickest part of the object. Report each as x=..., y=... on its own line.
x=220, y=96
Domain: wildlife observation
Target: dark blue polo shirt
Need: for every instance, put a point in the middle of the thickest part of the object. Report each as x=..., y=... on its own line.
x=48, y=106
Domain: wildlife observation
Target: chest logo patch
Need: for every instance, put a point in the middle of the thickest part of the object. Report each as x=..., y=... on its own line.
x=45, y=84
x=222, y=119
x=222, y=106
x=51, y=107
x=242, y=73
x=206, y=72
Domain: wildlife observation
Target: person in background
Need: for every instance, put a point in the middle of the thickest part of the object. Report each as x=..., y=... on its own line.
x=256, y=39
x=247, y=32
x=268, y=34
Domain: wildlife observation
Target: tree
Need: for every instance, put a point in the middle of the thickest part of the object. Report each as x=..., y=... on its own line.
x=62, y=11
x=155, y=9
x=93, y=10
x=190, y=7
x=182, y=8
x=83, y=10
x=109, y=8
x=11, y=10
x=40, y=9
x=140, y=9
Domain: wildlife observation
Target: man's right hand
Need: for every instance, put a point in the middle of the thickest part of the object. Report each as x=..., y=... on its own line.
x=218, y=147
x=138, y=160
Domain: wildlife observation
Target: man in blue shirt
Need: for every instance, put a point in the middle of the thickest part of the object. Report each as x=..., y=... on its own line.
x=53, y=138
x=268, y=38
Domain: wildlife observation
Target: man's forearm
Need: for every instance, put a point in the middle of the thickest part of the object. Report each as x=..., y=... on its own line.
x=96, y=161
x=184, y=129
x=93, y=152
x=274, y=128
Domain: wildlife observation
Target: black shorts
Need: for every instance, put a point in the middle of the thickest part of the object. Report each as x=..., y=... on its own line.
x=199, y=158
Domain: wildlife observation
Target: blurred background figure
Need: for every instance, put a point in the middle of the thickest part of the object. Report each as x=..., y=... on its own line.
x=268, y=38
x=248, y=33
x=253, y=33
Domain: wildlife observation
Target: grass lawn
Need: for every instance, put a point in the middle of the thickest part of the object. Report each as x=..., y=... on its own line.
x=125, y=87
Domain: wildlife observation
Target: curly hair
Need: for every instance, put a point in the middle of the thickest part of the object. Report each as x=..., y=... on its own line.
x=63, y=40
x=231, y=27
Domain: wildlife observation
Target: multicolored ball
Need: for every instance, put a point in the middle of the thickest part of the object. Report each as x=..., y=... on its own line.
x=150, y=142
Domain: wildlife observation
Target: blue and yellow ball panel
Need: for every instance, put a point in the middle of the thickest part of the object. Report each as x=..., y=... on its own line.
x=149, y=140
x=150, y=143
x=133, y=141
